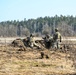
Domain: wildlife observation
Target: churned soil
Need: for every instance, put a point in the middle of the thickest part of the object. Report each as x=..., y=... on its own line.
x=14, y=61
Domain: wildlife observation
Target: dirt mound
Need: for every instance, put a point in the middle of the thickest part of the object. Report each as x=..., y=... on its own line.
x=19, y=43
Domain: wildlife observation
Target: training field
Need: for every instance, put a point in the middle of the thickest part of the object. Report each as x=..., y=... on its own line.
x=14, y=61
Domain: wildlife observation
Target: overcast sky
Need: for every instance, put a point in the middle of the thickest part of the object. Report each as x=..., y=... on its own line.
x=20, y=9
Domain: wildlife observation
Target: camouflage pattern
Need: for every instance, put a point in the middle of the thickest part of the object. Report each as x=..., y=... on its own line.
x=33, y=43
x=57, y=39
x=48, y=41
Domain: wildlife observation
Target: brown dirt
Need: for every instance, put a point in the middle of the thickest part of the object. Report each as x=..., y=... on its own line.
x=13, y=61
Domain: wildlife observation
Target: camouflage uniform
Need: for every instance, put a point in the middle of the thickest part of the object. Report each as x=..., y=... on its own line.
x=32, y=42
x=47, y=41
x=56, y=39
x=47, y=38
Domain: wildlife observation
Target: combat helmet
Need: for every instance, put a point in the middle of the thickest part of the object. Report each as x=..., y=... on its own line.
x=31, y=35
x=56, y=29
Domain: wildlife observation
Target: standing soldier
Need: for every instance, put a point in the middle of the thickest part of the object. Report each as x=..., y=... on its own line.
x=57, y=39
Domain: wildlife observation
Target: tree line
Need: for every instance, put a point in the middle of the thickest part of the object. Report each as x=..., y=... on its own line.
x=39, y=26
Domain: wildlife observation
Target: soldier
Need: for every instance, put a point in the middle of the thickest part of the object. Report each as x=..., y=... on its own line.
x=47, y=41
x=32, y=42
x=57, y=39
x=47, y=37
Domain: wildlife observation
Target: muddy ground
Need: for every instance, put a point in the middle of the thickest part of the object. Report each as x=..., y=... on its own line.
x=14, y=61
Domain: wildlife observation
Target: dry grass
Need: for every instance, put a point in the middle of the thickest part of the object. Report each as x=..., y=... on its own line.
x=14, y=62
